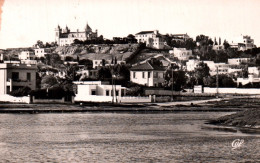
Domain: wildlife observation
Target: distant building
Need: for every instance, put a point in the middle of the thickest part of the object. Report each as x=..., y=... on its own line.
x=147, y=74
x=180, y=37
x=192, y=64
x=243, y=43
x=181, y=53
x=250, y=79
x=15, y=76
x=152, y=39
x=255, y=71
x=26, y=55
x=40, y=52
x=98, y=62
x=92, y=74
x=238, y=61
x=66, y=37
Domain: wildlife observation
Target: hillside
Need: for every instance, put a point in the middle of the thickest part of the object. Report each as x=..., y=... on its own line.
x=121, y=51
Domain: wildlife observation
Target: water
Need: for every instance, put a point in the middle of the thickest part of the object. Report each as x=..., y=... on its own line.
x=114, y=137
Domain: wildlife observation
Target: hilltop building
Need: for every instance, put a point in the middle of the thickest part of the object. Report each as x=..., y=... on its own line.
x=152, y=39
x=243, y=43
x=65, y=36
x=180, y=37
x=15, y=76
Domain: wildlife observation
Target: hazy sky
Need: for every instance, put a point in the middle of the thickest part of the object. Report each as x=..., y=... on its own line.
x=23, y=22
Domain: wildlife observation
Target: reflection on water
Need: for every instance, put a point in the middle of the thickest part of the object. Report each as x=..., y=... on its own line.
x=111, y=137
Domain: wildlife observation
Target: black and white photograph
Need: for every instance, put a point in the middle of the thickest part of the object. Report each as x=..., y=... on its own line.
x=117, y=81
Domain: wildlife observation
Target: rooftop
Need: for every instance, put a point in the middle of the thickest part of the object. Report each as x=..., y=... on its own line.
x=147, y=66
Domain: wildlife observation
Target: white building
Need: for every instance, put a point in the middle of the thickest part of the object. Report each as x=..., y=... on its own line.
x=98, y=91
x=238, y=61
x=243, y=43
x=147, y=74
x=181, y=53
x=15, y=76
x=180, y=37
x=250, y=79
x=152, y=39
x=255, y=71
x=40, y=52
x=66, y=37
x=98, y=62
x=192, y=64
x=26, y=55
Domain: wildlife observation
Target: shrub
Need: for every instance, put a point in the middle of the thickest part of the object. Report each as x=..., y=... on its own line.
x=24, y=91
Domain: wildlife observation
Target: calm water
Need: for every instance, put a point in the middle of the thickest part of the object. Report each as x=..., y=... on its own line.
x=114, y=137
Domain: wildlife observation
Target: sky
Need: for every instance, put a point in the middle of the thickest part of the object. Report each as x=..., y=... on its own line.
x=23, y=22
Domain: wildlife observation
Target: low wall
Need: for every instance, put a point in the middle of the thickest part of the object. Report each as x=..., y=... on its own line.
x=12, y=99
x=93, y=98
x=107, y=99
x=47, y=101
x=175, y=93
x=134, y=99
x=252, y=91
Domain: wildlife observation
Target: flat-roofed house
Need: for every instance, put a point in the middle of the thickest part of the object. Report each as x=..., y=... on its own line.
x=15, y=76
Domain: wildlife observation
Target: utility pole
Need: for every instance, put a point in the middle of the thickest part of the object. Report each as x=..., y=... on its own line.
x=172, y=84
x=217, y=82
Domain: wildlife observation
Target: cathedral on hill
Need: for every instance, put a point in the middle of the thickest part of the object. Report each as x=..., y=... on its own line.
x=66, y=37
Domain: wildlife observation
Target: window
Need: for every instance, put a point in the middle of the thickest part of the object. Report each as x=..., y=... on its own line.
x=117, y=93
x=134, y=74
x=143, y=74
x=107, y=92
x=93, y=92
x=15, y=76
x=156, y=74
x=28, y=76
x=149, y=74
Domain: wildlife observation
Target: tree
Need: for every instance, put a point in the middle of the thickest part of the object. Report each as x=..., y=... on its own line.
x=175, y=79
x=201, y=71
x=48, y=81
x=53, y=59
x=226, y=44
x=39, y=44
x=104, y=73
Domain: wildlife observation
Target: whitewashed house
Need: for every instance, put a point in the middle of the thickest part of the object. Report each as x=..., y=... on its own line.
x=40, y=52
x=250, y=79
x=147, y=74
x=26, y=55
x=181, y=53
x=192, y=64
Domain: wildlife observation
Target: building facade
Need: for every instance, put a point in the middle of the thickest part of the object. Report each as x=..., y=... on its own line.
x=181, y=53
x=152, y=39
x=15, y=76
x=40, y=52
x=243, y=43
x=26, y=55
x=146, y=74
x=66, y=37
